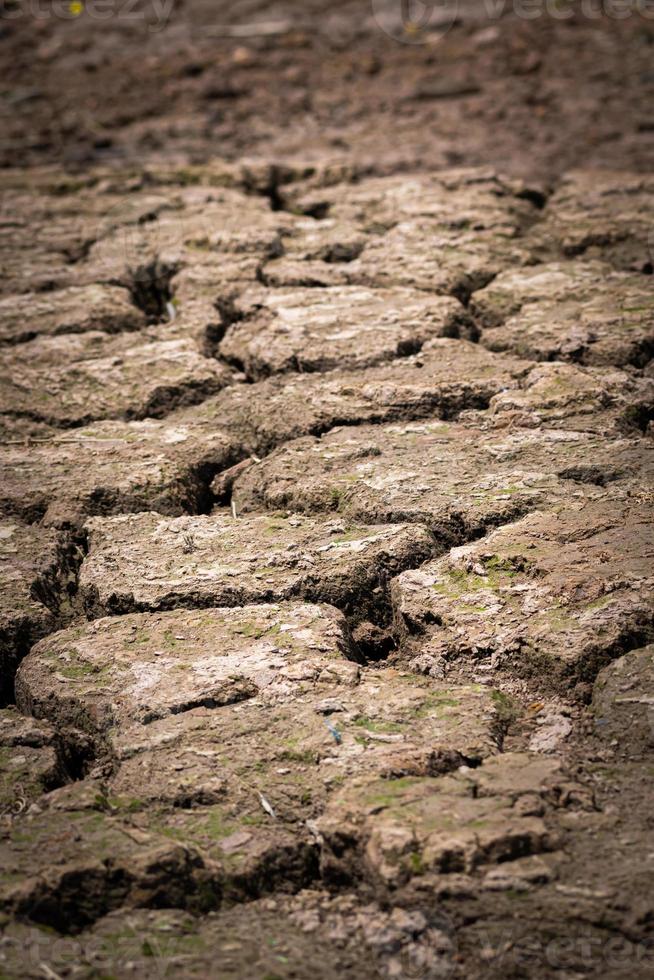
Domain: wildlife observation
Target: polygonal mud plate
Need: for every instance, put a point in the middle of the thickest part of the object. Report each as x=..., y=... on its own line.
x=581, y=312
x=556, y=595
x=454, y=478
x=145, y=561
x=339, y=327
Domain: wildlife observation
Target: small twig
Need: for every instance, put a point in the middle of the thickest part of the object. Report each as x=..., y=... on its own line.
x=266, y=805
x=27, y=441
x=48, y=972
x=264, y=29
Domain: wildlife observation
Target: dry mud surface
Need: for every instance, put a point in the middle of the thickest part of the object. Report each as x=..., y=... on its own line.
x=326, y=542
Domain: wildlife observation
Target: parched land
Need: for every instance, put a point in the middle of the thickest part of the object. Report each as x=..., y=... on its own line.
x=327, y=554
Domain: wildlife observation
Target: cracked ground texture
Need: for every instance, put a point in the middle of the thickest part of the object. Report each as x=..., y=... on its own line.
x=326, y=543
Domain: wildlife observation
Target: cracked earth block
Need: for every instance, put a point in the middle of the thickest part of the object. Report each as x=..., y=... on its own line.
x=599, y=214
x=97, y=862
x=113, y=466
x=196, y=752
x=46, y=234
x=447, y=233
x=588, y=399
x=451, y=477
x=140, y=668
x=216, y=233
x=315, y=253
x=73, y=310
x=151, y=689
x=119, y=678
x=212, y=709
x=144, y=561
x=446, y=377
x=78, y=378
x=390, y=832
x=37, y=566
x=582, y=312
x=556, y=595
x=299, y=738
x=198, y=778
x=340, y=327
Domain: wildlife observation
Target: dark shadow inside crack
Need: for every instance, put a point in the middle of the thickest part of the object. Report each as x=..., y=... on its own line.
x=150, y=288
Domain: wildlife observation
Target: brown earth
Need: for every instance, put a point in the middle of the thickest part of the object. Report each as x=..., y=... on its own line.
x=532, y=95
x=326, y=549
